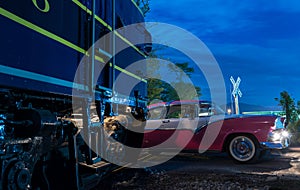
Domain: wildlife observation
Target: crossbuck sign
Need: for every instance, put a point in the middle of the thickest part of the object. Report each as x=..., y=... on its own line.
x=236, y=93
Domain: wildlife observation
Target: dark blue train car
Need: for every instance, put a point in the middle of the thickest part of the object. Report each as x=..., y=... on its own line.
x=42, y=44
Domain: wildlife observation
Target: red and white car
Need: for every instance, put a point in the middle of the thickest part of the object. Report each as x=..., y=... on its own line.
x=200, y=125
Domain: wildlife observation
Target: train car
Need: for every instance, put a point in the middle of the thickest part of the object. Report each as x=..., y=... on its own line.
x=46, y=138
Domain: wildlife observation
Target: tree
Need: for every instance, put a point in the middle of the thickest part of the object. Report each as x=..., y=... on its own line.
x=170, y=91
x=179, y=67
x=155, y=89
x=144, y=5
x=298, y=107
x=158, y=89
x=292, y=112
x=154, y=85
x=182, y=71
x=288, y=106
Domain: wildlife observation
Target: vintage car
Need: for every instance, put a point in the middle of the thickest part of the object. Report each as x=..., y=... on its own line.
x=200, y=125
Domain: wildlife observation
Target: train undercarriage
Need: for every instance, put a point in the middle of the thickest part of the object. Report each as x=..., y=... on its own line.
x=42, y=144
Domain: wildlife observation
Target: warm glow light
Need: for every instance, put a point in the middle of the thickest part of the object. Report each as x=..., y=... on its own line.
x=285, y=134
x=229, y=111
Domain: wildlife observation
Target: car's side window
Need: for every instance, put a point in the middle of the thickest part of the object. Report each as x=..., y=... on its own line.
x=208, y=109
x=205, y=110
x=181, y=111
x=174, y=114
x=156, y=113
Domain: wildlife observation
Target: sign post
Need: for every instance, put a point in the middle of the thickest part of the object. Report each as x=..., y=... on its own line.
x=236, y=93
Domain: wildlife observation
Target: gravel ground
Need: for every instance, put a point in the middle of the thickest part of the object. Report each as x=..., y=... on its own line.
x=160, y=180
x=212, y=172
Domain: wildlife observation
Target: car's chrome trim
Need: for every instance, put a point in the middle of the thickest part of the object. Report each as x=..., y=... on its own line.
x=274, y=145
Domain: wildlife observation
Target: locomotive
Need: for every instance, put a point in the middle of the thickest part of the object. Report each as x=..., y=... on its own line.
x=46, y=139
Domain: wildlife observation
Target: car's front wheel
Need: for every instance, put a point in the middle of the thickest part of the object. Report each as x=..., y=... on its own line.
x=243, y=149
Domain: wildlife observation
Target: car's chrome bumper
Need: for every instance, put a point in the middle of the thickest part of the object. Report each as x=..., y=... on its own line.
x=283, y=143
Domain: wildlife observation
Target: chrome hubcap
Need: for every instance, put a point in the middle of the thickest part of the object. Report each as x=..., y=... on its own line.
x=242, y=148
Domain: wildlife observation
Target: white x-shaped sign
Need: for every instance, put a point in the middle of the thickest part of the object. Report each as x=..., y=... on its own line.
x=236, y=91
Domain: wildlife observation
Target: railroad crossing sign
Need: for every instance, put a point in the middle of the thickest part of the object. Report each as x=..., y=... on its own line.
x=236, y=93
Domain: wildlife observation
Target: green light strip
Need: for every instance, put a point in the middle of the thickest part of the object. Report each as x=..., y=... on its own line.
x=82, y=6
x=79, y=4
x=61, y=40
x=108, y=26
x=129, y=43
x=103, y=22
x=39, y=77
x=40, y=30
x=128, y=73
x=100, y=59
x=137, y=7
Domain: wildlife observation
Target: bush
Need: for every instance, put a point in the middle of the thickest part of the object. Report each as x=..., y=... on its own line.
x=294, y=129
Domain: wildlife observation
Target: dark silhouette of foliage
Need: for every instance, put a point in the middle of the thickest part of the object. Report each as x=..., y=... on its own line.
x=288, y=106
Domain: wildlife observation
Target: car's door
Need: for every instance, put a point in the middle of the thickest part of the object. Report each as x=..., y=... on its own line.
x=155, y=119
x=204, y=114
x=203, y=117
x=208, y=114
x=175, y=127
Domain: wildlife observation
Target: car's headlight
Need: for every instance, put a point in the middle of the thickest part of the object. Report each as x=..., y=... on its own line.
x=278, y=135
x=285, y=134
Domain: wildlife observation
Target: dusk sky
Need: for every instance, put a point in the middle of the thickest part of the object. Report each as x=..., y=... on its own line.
x=258, y=41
